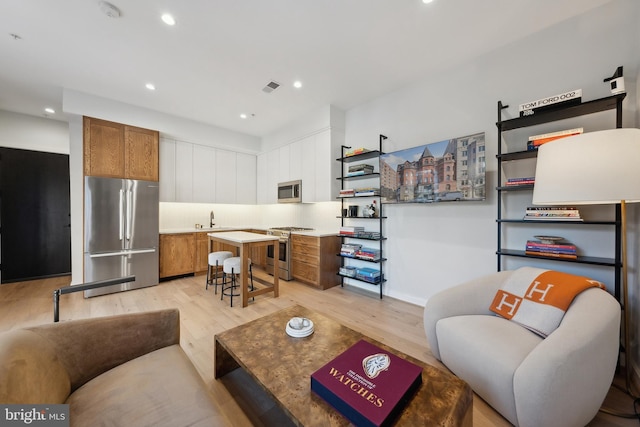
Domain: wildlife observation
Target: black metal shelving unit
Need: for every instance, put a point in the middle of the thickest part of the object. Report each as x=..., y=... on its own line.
x=613, y=102
x=368, y=155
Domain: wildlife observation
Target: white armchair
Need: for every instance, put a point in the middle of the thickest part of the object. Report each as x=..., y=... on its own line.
x=560, y=380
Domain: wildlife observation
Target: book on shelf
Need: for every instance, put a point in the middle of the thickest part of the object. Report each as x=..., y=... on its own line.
x=349, y=192
x=365, y=168
x=367, y=384
x=355, y=151
x=557, y=250
x=370, y=275
x=536, y=245
x=369, y=254
x=560, y=100
x=367, y=191
x=520, y=181
x=552, y=254
x=552, y=213
x=370, y=234
x=349, y=250
x=537, y=140
x=358, y=173
x=350, y=230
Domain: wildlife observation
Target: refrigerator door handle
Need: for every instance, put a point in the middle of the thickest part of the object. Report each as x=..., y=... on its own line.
x=120, y=213
x=122, y=253
x=129, y=212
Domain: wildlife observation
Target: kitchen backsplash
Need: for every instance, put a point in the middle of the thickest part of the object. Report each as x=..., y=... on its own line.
x=320, y=216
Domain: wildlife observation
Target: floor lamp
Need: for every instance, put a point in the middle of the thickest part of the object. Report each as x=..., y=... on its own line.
x=594, y=168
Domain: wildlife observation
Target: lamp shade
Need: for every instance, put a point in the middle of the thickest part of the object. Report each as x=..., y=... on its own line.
x=591, y=168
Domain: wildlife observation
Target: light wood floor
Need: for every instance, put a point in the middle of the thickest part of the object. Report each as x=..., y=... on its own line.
x=395, y=323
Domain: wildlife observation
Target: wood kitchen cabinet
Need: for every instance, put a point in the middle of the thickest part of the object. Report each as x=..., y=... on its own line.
x=177, y=254
x=115, y=150
x=202, y=252
x=314, y=260
x=258, y=254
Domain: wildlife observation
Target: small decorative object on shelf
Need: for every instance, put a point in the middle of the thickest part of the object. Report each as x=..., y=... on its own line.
x=370, y=210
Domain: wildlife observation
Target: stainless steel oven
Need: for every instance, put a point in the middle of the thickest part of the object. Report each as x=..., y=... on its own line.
x=284, y=261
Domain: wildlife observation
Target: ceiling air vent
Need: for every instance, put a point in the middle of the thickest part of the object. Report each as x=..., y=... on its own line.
x=270, y=87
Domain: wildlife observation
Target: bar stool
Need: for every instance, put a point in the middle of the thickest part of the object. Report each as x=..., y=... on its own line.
x=216, y=260
x=232, y=266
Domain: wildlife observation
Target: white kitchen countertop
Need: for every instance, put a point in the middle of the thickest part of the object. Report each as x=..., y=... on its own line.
x=244, y=237
x=317, y=233
x=312, y=233
x=206, y=229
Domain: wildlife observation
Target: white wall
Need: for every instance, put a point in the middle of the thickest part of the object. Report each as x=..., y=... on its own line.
x=432, y=247
x=82, y=104
x=320, y=216
x=33, y=133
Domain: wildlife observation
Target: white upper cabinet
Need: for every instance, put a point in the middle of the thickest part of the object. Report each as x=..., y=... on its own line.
x=283, y=164
x=272, y=177
x=246, y=179
x=226, y=171
x=167, y=170
x=262, y=185
x=184, y=172
x=295, y=160
x=204, y=174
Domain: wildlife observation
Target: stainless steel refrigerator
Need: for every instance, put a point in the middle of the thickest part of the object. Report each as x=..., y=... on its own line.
x=120, y=232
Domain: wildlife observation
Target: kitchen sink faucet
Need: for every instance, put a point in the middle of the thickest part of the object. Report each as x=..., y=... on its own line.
x=211, y=217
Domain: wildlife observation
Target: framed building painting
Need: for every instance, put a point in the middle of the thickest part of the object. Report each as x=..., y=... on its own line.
x=445, y=171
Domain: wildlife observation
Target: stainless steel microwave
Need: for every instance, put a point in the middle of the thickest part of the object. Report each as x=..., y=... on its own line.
x=290, y=192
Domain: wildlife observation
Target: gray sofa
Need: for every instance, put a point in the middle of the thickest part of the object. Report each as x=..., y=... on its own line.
x=126, y=370
x=560, y=380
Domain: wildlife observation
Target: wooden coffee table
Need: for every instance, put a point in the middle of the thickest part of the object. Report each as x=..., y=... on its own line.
x=283, y=365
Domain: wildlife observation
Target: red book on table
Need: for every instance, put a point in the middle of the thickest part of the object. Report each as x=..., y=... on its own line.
x=368, y=385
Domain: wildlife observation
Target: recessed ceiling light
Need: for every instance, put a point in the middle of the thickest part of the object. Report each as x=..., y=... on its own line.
x=168, y=19
x=50, y=110
x=297, y=84
x=243, y=116
x=427, y=1
x=150, y=86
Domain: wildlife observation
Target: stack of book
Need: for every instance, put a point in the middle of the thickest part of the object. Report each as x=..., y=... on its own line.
x=348, y=192
x=367, y=191
x=348, y=271
x=520, y=181
x=346, y=230
x=552, y=213
x=349, y=250
x=363, y=169
x=369, y=254
x=369, y=234
x=368, y=275
x=536, y=141
x=557, y=250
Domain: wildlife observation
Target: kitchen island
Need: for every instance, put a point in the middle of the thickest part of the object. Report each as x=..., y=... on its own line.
x=244, y=241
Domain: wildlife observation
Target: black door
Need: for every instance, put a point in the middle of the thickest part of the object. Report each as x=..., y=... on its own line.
x=34, y=215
